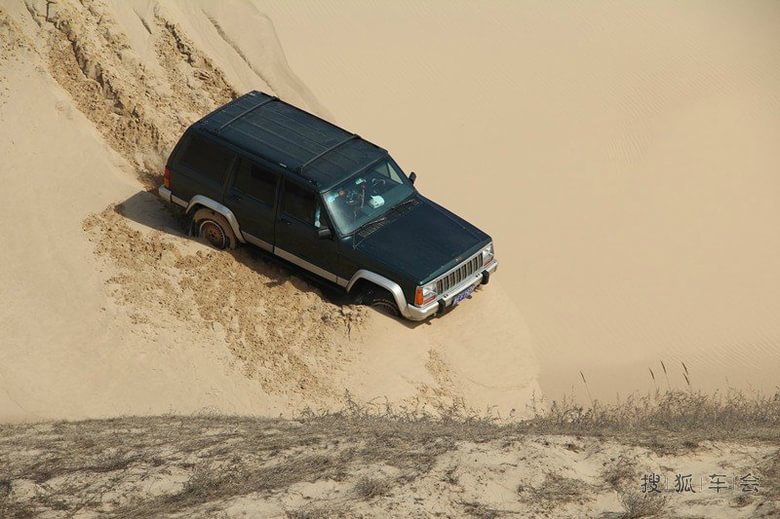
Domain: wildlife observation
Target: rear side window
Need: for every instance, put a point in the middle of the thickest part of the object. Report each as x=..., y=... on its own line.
x=299, y=203
x=207, y=158
x=256, y=182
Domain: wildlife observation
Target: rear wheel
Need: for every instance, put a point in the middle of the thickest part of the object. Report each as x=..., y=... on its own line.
x=215, y=229
x=378, y=298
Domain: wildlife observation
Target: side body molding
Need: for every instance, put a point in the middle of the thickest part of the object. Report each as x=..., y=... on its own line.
x=383, y=282
x=219, y=208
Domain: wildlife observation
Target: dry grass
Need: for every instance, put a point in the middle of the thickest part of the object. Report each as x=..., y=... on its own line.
x=639, y=505
x=770, y=472
x=554, y=491
x=224, y=457
x=480, y=510
x=216, y=458
x=686, y=417
x=692, y=414
x=319, y=512
x=368, y=488
x=620, y=472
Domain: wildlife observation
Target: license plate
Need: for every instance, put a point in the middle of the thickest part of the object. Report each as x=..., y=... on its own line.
x=463, y=295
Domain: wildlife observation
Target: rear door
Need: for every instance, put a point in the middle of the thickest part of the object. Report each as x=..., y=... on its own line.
x=300, y=216
x=252, y=198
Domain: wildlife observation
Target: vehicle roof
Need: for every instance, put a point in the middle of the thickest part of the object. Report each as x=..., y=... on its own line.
x=297, y=140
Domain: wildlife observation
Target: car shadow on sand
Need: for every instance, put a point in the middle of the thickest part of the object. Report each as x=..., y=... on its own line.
x=147, y=209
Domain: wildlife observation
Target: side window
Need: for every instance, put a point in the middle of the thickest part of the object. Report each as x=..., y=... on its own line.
x=256, y=182
x=207, y=158
x=299, y=203
x=387, y=170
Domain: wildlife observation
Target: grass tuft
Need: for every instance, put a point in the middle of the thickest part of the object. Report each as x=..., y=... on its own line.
x=368, y=488
x=700, y=415
x=620, y=473
x=638, y=505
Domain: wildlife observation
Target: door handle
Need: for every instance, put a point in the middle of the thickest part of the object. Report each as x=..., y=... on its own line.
x=285, y=221
x=233, y=196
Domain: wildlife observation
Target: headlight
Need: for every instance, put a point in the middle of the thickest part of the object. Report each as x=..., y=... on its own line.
x=487, y=254
x=425, y=294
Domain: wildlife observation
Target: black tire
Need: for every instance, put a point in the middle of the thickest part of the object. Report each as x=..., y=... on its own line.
x=215, y=229
x=379, y=299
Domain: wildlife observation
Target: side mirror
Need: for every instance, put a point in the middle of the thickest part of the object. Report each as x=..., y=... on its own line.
x=324, y=232
x=412, y=177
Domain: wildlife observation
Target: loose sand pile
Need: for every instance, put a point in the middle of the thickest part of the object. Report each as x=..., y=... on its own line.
x=288, y=337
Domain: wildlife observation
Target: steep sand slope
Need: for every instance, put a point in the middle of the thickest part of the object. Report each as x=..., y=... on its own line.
x=67, y=348
x=623, y=155
x=145, y=320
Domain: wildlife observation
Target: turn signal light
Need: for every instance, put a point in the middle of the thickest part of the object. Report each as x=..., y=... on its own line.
x=167, y=177
x=421, y=298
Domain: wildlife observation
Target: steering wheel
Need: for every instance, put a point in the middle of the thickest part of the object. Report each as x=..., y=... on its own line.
x=352, y=198
x=377, y=184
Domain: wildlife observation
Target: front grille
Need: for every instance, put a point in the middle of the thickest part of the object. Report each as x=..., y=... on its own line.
x=458, y=274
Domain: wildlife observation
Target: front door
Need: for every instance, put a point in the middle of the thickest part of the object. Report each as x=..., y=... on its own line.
x=299, y=219
x=252, y=198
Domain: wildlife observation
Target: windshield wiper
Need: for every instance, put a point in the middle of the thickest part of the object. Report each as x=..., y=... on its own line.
x=406, y=202
x=375, y=220
x=355, y=234
x=381, y=218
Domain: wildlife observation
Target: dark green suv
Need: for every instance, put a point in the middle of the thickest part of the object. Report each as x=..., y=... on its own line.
x=260, y=171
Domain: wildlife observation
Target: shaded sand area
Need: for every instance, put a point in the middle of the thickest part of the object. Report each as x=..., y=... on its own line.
x=108, y=308
x=622, y=154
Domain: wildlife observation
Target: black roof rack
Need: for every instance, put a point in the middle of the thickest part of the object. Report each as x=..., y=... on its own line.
x=301, y=142
x=323, y=153
x=247, y=111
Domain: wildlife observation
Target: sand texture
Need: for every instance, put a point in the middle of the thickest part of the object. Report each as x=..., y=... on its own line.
x=227, y=467
x=623, y=155
x=111, y=309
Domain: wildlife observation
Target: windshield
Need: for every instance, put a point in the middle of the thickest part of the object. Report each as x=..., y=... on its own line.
x=367, y=195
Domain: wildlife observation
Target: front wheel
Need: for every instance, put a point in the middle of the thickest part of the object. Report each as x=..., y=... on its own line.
x=379, y=299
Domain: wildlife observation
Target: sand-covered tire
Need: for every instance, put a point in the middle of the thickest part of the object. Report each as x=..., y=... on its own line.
x=379, y=299
x=214, y=228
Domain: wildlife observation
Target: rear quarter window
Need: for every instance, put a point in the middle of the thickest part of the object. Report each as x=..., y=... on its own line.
x=206, y=158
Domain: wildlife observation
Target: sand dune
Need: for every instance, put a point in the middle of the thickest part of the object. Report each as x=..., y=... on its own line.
x=112, y=310
x=621, y=153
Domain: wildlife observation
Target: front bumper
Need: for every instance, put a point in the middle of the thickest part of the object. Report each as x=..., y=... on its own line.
x=419, y=313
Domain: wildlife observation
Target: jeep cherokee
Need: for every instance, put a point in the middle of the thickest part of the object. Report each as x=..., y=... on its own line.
x=261, y=171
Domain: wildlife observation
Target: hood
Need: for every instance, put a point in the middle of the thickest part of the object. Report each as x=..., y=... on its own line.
x=423, y=241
